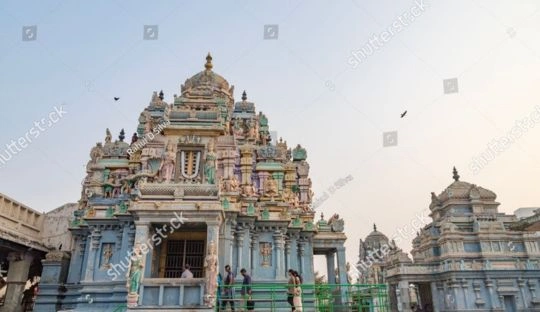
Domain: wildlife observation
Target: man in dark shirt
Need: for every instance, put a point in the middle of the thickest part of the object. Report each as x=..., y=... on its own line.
x=228, y=290
x=246, y=288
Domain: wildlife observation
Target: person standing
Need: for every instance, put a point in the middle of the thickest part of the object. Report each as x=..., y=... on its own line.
x=290, y=289
x=228, y=290
x=246, y=288
x=297, y=299
x=187, y=273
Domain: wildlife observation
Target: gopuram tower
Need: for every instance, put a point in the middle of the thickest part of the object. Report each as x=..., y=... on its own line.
x=199, y=183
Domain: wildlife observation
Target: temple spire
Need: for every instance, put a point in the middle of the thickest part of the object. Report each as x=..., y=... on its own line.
x=244, y=96
x=161, y=95
x=456, y=175
x=374, y=227
x=208, y=64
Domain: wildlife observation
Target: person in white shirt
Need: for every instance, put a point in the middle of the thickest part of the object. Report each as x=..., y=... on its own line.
x=187, y=273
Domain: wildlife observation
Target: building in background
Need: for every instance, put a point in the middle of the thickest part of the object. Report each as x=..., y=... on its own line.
x=26, y=236
x=470, y=258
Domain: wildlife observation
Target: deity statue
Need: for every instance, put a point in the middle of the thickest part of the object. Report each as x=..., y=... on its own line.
x=238, y=130
x=210, y=265
x=106, y=256
x=108, y=136
x=349, y=275
x=96, y=153
x=266, y=253
x=135, y=271
x=148, y=123
x=168, y=163
x=271, y=187
x=210, y=164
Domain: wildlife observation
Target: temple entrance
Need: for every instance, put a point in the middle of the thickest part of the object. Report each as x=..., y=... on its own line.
x=186, y=246
x=424, y=294
x=509, y=304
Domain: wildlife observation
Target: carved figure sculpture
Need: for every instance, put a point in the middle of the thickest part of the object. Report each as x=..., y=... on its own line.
x=210, y=164
x=271, y=187
x=266, y=253
x=210, y=265
x=135, y=271
x=168, y=164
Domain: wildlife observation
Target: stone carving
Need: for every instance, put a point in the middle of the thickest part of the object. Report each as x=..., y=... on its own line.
x=271, y=187
x=249, y=190
x=299, y=153
x=96, y=153
x=266, y=254
x=168, y=163
x=210, y=265
x=134, y=276
x=210, y=164
x=336, y=224
x=108, y=136
x=106, y=256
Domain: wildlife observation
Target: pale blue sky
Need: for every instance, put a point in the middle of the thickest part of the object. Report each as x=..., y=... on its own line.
x=87, y=52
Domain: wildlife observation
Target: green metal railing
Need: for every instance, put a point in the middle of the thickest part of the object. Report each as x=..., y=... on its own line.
x=120, y=308
x=315, y=297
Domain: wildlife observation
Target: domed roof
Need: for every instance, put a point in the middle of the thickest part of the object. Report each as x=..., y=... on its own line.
x=207, y=80
x=462, y=190
x=376, y=239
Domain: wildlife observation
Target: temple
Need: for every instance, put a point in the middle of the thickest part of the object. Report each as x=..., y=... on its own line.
x=470, y=257
x=200, y=183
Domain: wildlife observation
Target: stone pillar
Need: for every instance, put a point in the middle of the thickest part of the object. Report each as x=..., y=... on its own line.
x=53, y=276
x=263, y=175
x=309, y=265
x=75, y=266
x=19, y=265
x=330, y=268
x=521, y=285
x=254, y=253
x=403, y=287
x=94, y=238
x=301, y=254
x=491, y=298
x=240, y=248
x=280, y=259
x=342, y=264
x=287, y=254
x=141, y=237
x=293, y=255
x=278, y=176
x=464, y=286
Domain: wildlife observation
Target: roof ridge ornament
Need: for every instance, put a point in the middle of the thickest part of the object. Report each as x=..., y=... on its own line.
x=244, y=96
x=374, y=227
x=456, y=175
x=208, y=64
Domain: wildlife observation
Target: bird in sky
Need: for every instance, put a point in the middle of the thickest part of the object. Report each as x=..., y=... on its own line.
x=403, y=114
x=116, y=98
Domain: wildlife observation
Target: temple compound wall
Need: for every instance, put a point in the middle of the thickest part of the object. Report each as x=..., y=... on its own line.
x=202, y=184
x=469, y=258
x=26, y=236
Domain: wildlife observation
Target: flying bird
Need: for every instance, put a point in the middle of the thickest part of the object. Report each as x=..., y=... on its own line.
x=403, y=114
x=116, y=98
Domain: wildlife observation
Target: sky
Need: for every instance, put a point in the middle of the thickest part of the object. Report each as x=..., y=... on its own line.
x=330, y=75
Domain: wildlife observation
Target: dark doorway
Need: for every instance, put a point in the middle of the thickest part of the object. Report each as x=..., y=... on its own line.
x=509, y=304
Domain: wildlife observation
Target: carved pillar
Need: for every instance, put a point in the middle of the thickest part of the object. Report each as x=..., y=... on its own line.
x=94, y=239
x=280, y=259
x=290, y=175
x=19, y=265
x=330, y=268
x=278, y=176
x=464, y=286
x=521, y=285
x=491, y=298
x=142, y=230
x=301, y=254
x=263, y=175
x=75, y=266
x=254, y=253
x=287, y=254
x=246, y=163
x=293, y=256
x=240, y=248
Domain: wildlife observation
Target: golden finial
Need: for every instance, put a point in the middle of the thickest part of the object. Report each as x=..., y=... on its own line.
x=208, y=64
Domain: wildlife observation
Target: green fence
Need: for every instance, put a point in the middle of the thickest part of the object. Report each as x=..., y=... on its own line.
x=315, y=297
